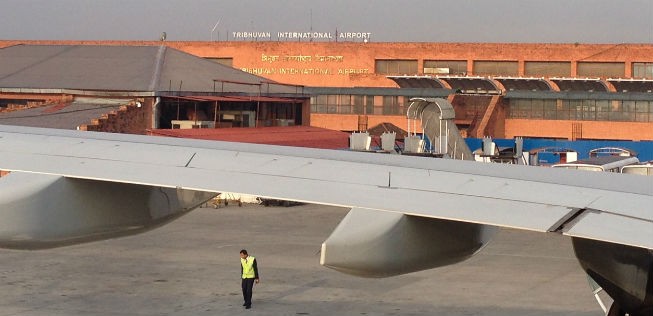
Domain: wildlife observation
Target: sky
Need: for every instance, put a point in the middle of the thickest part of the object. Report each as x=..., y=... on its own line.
x=528, y=21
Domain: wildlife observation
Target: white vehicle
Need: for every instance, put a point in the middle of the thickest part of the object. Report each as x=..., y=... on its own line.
x=600, y=163
x=644, y=168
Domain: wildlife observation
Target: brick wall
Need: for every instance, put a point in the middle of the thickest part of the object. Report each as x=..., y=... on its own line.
x=33, y=100
x=349, y=122
x=589, y=129
x=349, y=60
x=128, y=119
x=349, y=64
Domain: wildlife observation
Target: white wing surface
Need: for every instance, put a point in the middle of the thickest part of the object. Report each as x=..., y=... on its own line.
x=610, y=207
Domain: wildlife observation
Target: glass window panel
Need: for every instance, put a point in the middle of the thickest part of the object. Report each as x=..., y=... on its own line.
x=589, y=110
x=603, y=106
x=628, y=106
x=389, y=105
x=547, y=68
x=520, y=108
x=615, y=116
x=369, y=104
x=504, y=68
x=641, y=117
x=359, y=101
x=537, y=111
x=395, y=67
x=643, y=70
x=456, y=67
x=641, y=106
x=378, y=100
x=517, y=107
x=575, y=109
x=600, y=69
x=562, y=115
x=602, y=116
x=550, y=109
x=345, y=99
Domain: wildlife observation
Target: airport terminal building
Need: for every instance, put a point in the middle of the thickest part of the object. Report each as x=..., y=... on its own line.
x=504, y=90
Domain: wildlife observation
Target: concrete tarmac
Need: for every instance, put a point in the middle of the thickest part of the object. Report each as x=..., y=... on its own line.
x=191, y=267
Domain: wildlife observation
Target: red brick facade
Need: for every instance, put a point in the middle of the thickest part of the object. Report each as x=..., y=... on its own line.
x=347, y=64
x=129, y=119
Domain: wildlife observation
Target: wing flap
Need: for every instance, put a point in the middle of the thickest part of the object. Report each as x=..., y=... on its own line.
x=612, y=228
x=345, y=192
x=525, y=198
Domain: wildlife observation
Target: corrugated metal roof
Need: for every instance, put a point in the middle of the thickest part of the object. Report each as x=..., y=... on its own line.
x=123, y=68
x=77, y=67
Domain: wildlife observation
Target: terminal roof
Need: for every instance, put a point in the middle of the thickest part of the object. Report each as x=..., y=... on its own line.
x=460, y=84
x=141, y=70
x=632, y=85
x=580, y=84
x=524, y=84
x=63, y=115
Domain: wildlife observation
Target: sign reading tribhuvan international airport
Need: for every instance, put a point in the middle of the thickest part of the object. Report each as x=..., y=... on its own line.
x=302, y=36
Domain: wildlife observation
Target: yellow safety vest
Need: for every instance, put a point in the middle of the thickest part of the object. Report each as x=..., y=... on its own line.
x=248, y=267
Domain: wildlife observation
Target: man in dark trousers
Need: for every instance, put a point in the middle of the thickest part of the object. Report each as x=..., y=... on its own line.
x=249, y=274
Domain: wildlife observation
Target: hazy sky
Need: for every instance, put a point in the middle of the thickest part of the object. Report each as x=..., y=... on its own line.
x=555, y=21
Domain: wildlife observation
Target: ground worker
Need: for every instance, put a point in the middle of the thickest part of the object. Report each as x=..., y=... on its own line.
x=249, y=274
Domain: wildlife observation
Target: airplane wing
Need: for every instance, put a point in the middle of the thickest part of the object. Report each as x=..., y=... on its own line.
x=607, y=207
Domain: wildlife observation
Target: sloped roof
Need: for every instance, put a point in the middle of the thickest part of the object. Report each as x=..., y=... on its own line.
x=62, y=116
x=381, y=128
x=122, y=68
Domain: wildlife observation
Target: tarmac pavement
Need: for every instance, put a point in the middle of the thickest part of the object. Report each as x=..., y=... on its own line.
x=191, y=267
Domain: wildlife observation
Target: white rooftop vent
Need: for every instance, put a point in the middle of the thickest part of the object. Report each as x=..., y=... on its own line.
x=388, y=141
x=489, y=147
x=413, y=144
x=360, y=141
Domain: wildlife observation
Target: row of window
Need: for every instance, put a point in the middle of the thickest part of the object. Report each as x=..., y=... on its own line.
x=503, y=68
x=359, y=104
x=511, y=68
x=586, y=110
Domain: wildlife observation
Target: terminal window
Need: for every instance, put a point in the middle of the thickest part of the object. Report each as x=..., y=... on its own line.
x=601, y=69
x=643, y=70
x=393, y=105
x=586, y=110
x=395, y=66
x=346, y=104
x=547, y=68
x=502, y=68
x=451, y=67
